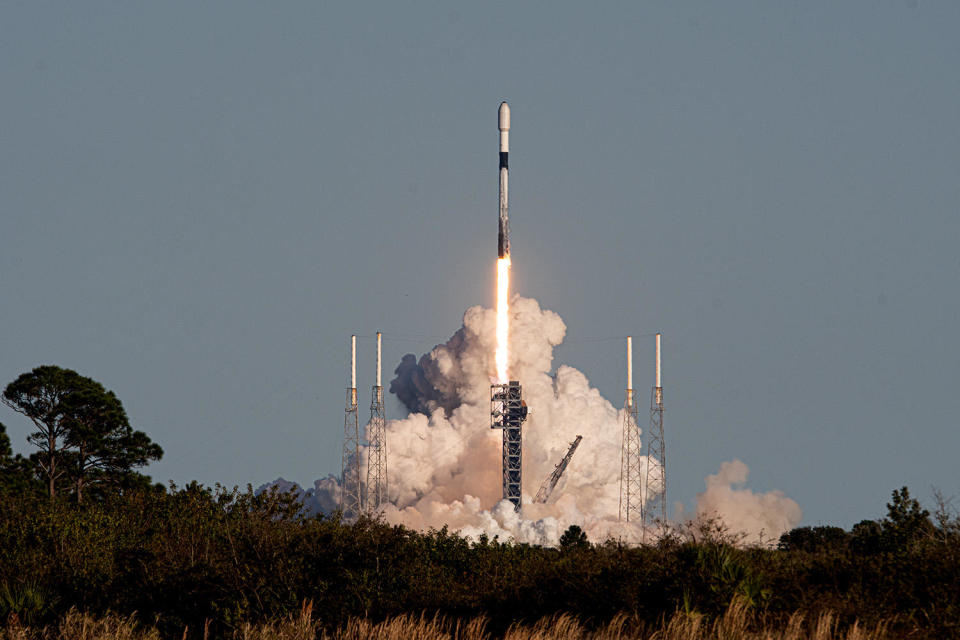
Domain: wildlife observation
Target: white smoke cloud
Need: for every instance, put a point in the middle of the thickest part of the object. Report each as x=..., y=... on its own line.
x=758, y=517
x=444, y=462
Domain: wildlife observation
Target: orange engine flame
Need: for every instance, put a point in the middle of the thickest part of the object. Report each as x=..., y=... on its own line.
x=503, y=317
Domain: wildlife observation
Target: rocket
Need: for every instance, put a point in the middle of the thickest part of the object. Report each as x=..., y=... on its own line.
x=503, y=237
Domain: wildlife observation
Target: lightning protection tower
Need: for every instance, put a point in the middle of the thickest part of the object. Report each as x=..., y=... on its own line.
x=631, y=472
x=655, y=482
x=351, y=499
x=377, y=447
x=507, y=412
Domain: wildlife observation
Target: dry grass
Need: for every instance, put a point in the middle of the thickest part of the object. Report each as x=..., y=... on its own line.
x=79, y=626
x=738, y=623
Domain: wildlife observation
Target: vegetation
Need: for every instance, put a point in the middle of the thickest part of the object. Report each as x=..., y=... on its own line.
x=738, y=622
x=221, y=559
x=83, y=435
x=91, y=549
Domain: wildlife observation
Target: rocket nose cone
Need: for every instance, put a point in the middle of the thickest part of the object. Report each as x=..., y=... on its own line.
x=504, y=119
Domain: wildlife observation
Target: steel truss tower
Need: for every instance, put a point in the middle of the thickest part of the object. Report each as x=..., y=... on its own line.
x=655, y=482
x=351, y=498
x=507, y=412
x=631, y=473
x=377, y=447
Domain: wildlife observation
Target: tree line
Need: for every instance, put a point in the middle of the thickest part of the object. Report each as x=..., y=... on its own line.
x=217, y=558
x=81, y=528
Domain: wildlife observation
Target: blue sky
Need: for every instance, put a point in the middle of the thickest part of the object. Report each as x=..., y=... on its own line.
x=200, y=202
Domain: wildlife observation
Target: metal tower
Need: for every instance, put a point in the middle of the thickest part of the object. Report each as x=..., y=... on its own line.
x=507, y=412
x=655, y=482
x=351, y=498
x=377, y=447
x=631, y=476
x=551, y=482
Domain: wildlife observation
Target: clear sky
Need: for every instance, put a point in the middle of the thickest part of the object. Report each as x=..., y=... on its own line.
x=200, y=202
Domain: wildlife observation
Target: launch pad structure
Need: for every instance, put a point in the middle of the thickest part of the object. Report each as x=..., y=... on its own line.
x=351, y=497
x=631, y=474
x=642, y=474
x=643, y=478
x=377, y=445
x=655, y=482
x=508, y=412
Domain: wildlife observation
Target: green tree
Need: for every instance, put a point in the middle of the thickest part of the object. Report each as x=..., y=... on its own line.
x=814, y=539
x=6, y=451
x=83, y=432
x=574, y=538
x=15, y=472
x=104, y=447
x=906, y=520
x=38, y=396
x=866, y=537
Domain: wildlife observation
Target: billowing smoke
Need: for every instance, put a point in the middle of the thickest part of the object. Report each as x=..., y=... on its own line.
x=323, y=498
x=758, y=517
x=444, y=459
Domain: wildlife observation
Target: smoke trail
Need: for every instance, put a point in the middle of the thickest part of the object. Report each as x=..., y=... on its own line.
x=444, y=460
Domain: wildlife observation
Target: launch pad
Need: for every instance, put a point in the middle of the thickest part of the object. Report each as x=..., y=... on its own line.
x=508, y=412
x=642, y=476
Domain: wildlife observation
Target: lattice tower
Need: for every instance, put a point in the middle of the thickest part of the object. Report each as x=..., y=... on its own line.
x=631, y=462
x=655, y=481
x=351, y=496
x=377, y=447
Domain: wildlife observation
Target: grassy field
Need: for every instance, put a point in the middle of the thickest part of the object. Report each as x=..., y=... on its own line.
x=737, y=623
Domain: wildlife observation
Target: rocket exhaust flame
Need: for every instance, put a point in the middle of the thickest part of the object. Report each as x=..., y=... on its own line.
x=503, y=318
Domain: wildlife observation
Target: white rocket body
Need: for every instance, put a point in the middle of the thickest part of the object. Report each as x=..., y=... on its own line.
x=503, y=237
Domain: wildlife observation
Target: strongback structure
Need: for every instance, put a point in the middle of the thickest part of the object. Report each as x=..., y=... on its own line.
x=507, y=412
x=377, y=447
x=351, y=497
x=631, y=464
x=655, y=482
x=551, y=482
